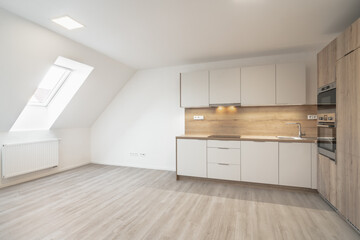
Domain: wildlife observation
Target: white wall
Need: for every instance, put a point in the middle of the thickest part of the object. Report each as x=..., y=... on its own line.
x=74, y=150
x=26, y=53
x=145, y=116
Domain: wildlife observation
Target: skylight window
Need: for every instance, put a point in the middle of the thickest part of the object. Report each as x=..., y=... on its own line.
x=67, y=22
x=49, y=86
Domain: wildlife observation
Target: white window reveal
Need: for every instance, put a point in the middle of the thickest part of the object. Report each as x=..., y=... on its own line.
x=49, y=86
x=60, y=84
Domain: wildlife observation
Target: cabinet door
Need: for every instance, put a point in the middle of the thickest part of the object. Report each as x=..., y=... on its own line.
x=259, y=162
x=225, y=86
x=295, y=164
x=191, y=157
x=348, y=136
x=290, y=84
x=223, y=156
x=195, y=89
x=258, y=85
x=327, y=179
x=224, y=171
x=349, y=40
x=323, y=176
x=326, y=63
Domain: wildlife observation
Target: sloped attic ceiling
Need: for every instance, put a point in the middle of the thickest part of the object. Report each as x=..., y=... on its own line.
x=148, y=33
x=28, y=51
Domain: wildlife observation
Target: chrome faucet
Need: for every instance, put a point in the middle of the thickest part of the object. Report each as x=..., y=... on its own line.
x=299, y=126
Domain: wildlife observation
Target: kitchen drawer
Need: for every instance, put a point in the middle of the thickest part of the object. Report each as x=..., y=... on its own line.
x=226, y=172
x=223, y=155
x=223, y=144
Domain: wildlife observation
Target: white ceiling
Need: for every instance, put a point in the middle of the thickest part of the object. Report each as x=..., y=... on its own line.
x=153, y=33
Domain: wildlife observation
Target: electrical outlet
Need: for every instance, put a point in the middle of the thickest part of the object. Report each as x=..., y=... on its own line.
x=198, y=117
x=132, y=154
x=312, y=117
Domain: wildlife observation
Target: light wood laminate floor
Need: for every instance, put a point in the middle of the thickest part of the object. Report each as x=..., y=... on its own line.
x=106, y=202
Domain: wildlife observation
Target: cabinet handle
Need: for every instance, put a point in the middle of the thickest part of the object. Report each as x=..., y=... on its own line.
x=223, y=148
x=225, y=164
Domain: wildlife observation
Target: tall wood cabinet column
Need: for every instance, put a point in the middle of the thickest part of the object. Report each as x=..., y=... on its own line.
x=348, y=136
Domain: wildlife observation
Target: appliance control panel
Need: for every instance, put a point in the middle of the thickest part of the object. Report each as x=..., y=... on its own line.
x=326, y=118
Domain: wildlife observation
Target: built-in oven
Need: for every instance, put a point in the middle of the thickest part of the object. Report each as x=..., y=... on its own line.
x=327, y=135
x=326, y=101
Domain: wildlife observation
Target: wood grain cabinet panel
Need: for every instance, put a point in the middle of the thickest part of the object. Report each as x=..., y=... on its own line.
x=260, y=162
x=191, y=158
x=295, y=164
x=324, y=176
x=225, y=86
x=348, y=136
x=258, y=85
x=291, y=84
x=349, y=40
x=327, y=178
x=195, y=89
x=326, y=61
x=332, y=183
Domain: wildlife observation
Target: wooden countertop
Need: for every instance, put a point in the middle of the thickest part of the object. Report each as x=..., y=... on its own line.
x=248, y=138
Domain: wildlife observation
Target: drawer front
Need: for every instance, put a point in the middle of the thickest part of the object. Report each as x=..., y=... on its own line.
x=226, y=172
x=224, y=155
x=223, y=144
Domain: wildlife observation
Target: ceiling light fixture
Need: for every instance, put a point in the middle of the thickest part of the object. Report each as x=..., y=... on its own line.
x=67, y=22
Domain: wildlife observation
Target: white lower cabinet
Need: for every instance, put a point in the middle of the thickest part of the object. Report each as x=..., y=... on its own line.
x=295, y=160
x=223, y=160
x=191, y=157
x=288, y=164
x=224, y=171
x=259, y=162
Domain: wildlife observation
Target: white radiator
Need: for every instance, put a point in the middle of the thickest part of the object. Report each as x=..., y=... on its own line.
x=21, y=158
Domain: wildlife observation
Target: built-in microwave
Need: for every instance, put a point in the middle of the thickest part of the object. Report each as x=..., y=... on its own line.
x=327, y=96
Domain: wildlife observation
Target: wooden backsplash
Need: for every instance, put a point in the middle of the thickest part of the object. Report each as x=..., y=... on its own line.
x=260, y=121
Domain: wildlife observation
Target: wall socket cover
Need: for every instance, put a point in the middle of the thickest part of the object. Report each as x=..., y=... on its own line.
x=311, y=117
x=198, y=117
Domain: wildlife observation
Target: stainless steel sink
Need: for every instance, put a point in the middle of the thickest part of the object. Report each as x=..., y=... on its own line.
x=289, y=137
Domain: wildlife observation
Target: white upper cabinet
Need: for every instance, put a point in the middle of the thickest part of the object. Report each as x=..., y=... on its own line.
x=225, y=86
x=258, y=85
x=295, y=160
x=290, y=84
x=195, y=89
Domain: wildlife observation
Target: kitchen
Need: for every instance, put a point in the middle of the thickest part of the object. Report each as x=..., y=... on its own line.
x=252, y=125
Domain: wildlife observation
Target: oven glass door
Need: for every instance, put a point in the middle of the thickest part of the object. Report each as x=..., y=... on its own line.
x=327, y=141
x=327, y=98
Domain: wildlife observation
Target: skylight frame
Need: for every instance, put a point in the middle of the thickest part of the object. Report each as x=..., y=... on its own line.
x=55, y=90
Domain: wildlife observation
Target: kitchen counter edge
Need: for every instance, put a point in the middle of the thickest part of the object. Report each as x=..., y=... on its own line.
x=248, y=138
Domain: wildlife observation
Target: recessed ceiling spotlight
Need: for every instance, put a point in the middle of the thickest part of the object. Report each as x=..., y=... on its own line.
x=67, y=22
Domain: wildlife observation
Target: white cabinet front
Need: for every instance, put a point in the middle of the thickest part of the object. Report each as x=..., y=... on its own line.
x=258, y=85
x=290, y=84
x=195, y=89
x=225, y=156
x=259, y=162
x=225, y=86
x=295, y=160
x=224, y=171
x=191, y=157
